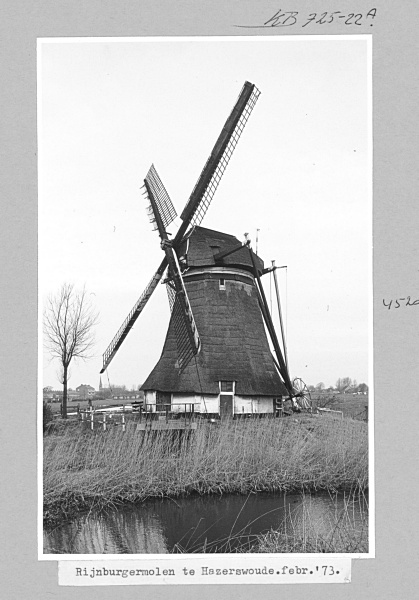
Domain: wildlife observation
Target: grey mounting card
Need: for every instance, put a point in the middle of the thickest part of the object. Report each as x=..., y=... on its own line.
x=392, y=573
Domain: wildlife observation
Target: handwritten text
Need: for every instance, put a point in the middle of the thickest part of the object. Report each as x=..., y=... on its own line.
x=290, y=18
x=400, y=302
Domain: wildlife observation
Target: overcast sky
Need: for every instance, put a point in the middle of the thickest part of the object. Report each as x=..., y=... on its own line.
x=300, y=174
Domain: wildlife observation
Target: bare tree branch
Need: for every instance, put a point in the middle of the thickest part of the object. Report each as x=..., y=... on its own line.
x=69, y=321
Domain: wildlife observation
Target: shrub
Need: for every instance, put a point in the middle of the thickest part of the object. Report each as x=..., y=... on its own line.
x=47, y=416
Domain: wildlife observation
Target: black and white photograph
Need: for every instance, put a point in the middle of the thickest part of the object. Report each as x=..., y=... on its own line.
x=205, y=296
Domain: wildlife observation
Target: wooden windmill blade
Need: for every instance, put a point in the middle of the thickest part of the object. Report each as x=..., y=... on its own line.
x=188, y=342
x=187, y=338
x=218, y=160
x=168, y=214
x=132, y=316
x=161, y=198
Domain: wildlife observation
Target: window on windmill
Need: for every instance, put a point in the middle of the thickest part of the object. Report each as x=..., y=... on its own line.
x=222, y=284
x=227, y=386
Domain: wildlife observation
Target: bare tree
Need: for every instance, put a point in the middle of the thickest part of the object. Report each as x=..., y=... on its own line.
x=69, y=319
x=343, y=383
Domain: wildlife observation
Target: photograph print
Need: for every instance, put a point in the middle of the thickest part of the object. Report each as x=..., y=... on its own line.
x=205, y=238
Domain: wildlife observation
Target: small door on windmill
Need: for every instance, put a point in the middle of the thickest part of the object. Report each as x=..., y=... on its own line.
x=226, y=405
x=278, y=408
x=163, y=400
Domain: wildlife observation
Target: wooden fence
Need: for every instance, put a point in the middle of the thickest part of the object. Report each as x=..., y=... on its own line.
x=103, y=419
x=331, y=412
x=146, y=413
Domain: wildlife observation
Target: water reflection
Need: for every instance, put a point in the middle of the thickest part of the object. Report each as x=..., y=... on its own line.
x=159, y=526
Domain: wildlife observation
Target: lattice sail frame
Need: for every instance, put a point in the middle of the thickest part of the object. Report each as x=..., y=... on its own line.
x=164, y=204
x=223, y=162
x=183, y=322
x=171, y=292
x=185, y=349
x=130, y=320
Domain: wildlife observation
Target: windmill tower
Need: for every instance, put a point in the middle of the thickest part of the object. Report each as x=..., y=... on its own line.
x=216, y=355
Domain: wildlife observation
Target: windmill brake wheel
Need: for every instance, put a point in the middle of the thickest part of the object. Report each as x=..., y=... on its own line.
x=301, y=394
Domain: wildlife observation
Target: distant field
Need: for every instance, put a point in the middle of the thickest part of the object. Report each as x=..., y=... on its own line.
x=351, y=406
x=72, y=406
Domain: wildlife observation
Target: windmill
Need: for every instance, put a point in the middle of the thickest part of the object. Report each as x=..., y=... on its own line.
x=216, y=355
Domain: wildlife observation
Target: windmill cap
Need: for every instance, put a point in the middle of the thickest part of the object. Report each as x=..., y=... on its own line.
x=203, y=244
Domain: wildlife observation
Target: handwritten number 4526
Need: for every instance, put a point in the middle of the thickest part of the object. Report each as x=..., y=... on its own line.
x=398, y=302
x=329, y=17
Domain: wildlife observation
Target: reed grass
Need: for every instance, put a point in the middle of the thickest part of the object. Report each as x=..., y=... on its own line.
x=84, y=470
x=341, y=530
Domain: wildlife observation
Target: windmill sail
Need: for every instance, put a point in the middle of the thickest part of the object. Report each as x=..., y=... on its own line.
x=216, y=164
x=171, y=291
x=196, y=206
x=132, y=317
x=187, y=338
x=162, y=199
x=187, y=345
x=168, y=214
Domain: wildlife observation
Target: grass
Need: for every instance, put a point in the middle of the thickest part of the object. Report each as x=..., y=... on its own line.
x=351, y=406
x=85, y=470
x=342, y=529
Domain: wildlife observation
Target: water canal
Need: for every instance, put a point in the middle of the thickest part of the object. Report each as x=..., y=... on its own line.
x=191, y=523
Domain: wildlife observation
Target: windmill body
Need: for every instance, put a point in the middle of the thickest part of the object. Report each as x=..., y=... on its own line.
x=216, y=357
x=234, y=372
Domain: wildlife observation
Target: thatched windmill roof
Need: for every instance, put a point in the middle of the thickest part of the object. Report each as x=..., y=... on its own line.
x=203, y=244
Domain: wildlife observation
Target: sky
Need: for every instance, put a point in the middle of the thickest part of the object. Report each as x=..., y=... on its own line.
x=301, y=174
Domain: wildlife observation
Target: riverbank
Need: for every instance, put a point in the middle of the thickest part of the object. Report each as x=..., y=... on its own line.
x=343, y=530
x=313, y=523
x=85, y=470
x=264, y=522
